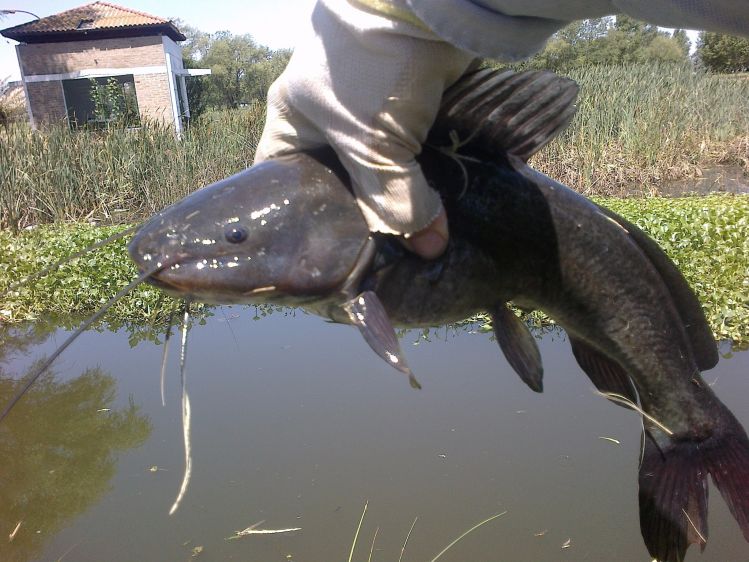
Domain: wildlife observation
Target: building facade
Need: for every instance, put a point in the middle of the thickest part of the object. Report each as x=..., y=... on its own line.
x=100, y=61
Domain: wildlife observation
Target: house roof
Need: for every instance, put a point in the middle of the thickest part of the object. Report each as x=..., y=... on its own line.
x=99, y=20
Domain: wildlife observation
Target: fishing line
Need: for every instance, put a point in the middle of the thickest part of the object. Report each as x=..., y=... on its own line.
x=231, y=330
x=185, y=412
x=32, y=378
x=165, y=353
x=55, y=266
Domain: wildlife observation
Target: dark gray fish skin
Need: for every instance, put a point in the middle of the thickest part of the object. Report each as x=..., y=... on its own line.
x=516, y=235
x=519, y=236
x=256, y=236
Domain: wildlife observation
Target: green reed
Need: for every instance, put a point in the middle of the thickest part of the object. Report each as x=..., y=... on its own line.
x=115, y=174
x=636, y=127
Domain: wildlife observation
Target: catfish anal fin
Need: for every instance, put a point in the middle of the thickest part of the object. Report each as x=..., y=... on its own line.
x=607, y=375
x=367, y=313
x=519, y=346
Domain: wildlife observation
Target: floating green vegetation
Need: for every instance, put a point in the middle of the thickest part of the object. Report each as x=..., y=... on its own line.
x=707, y=237
x=77, y=288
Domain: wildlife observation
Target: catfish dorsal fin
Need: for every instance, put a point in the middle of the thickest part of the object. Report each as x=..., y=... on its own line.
x=505, y=111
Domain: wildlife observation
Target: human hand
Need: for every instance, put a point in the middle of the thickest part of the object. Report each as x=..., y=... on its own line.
x=370, y=87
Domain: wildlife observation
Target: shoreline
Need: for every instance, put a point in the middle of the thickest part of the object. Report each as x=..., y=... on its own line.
x=707, y=237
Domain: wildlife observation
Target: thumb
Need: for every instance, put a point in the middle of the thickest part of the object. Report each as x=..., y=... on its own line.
x=430, y=242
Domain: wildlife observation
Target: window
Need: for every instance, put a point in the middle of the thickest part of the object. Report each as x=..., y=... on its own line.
x=98, y=102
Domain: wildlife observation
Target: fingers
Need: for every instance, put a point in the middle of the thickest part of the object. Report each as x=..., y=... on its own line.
x=430, y=242
x=371, y=94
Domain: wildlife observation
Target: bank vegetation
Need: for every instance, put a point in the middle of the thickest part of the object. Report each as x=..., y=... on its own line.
x=637, y=127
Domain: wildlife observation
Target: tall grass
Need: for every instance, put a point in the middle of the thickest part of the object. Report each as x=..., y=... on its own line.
x=120, y=175
x=636, y=126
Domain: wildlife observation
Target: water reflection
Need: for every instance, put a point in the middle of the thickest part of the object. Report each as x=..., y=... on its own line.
x=58, y=447
x=296, y=422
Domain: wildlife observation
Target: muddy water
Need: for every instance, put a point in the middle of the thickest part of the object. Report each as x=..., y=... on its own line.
x=296, y=423
x=718, y=179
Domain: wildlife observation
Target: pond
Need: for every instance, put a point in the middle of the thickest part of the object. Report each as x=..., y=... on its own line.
x=296, y=424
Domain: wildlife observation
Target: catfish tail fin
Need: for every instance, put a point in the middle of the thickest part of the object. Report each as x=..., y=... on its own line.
x=673, y=486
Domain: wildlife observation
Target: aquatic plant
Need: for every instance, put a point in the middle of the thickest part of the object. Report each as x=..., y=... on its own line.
x=116, y=175
x=640, y=125
x=707, y=237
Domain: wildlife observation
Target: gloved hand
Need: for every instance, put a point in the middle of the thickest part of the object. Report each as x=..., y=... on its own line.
x=368, y=80
x=370, y=87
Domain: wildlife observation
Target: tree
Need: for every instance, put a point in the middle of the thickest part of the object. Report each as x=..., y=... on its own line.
x=723, y=53
x=609, y=41
x=681, y=38
x=59, y=453
x=663, y=49
x=241, y=70
x=264, y=73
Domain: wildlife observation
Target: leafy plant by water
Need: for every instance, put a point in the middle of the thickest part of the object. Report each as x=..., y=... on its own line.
x=636, y=127
x=707, y=237
x=117, y=175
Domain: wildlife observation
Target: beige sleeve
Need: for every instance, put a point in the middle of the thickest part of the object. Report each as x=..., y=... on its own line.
x=515, y=29
x=369, y=86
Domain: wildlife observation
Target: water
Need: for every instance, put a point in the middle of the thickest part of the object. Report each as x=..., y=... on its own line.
x=297, y=423
x=718, y=179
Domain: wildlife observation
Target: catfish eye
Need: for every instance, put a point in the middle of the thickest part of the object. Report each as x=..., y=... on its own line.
x=235, y=234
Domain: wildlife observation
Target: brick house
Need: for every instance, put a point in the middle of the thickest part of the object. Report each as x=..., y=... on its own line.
x=65, y=57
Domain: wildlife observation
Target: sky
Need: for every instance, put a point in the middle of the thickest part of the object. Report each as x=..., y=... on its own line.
x=272, y=23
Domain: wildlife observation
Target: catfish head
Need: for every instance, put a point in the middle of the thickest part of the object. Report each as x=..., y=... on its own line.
x=287, y=231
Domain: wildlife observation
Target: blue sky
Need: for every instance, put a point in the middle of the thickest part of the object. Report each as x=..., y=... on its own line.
x=272, y=23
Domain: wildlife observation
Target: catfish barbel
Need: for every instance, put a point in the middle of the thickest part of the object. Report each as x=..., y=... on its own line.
x=289, y=231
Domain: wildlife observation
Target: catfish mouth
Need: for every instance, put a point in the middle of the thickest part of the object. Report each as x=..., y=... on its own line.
x=223, y=280
x=214, y=283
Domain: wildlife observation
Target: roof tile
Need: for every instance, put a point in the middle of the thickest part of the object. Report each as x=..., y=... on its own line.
x=95, y=16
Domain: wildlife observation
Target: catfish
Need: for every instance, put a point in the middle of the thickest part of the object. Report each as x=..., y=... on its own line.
x=289, y=231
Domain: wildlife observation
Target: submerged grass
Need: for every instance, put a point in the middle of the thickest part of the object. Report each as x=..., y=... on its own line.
x=636, y=127
x=707, y=237
x=460, y=537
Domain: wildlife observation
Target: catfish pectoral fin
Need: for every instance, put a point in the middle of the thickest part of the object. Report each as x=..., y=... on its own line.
x=519, y=346
x=367, y=313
